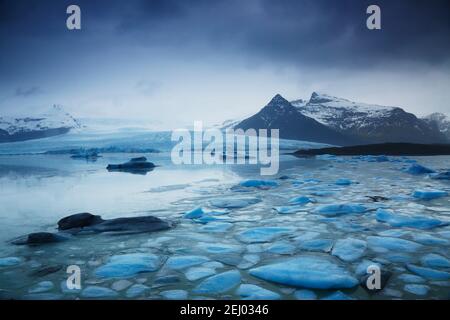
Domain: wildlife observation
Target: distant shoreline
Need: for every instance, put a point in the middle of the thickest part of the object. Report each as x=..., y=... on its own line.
x=388, y=149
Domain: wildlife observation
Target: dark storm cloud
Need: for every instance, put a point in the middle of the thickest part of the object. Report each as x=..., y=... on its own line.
x=304, y=32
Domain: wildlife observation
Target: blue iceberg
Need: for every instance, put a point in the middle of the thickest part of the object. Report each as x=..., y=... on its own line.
x=417, y=289
x=234, y=203
x=98, y=292
x=433, y=260
x=263, y=234
x=418, y=169
x=339, y=209
x=174, y=294
x=397, y=220
x=349, y=249
x=254, y=292
x=258, y=183
x=307, y=272
x=219, y=283
x=324, y=245
x=127, y=265
x=429, y=194
x=384, y=244
x=181, y=262
x=301, y=200
x=428, y=273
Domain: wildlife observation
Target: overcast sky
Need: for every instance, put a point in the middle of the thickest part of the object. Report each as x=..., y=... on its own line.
x=213, y=60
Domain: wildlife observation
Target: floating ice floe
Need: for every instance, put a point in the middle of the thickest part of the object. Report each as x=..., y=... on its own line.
x=305, y=294
x=181, y=262
x=343, y=182
x=349, y=249
x=418, y=169
x=194, y=213
x=429, y=194
x=234, y=203
x=445, y=175
x=258, y=183
x=301, y=200
x=417, y=289
x=307, y=272
x=411, y=278
x=433, y=260
x=290, y=209
x=136, y=290
x=219, y=248
x=361, y=268
x=324, y=245
x=254, y=292
x=174, y=294
x=216, y=227
x=397, y=220
x=196, y=273
x=42, y=286
x=98, y=292
x=339, y=209
x=428, y=239
x=281, y=247
x=9, y=261
x=428, y=273
x=263, y=234
x=127, y=265
x=396, y=233
x=338, y=295
x=219, y=283
x=307, y=235
x=384, y=244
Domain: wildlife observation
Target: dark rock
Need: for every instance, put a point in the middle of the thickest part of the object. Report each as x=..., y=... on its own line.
x=79, y=220
x=39, y=238
x=131, y=225
x=385, y=276
x=377, y=198
x=136, y=165
x=46, y=270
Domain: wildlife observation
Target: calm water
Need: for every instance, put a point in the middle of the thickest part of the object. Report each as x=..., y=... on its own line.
x=38, y=190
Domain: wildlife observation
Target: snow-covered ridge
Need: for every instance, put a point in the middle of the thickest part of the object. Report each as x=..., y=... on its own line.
x=441, y=120
x=341, y=113
x=55, y=118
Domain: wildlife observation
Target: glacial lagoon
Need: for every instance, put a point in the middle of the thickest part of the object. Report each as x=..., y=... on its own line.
x=310, y=232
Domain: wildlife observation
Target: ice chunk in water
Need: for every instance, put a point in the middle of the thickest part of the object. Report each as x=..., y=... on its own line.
x=343, y=182
x=216, y=227
x=196, y=273
x=418, y=169
x=219, y=248
x=174, y=294
x=181, y=262
x=219, y=283
x=428, y=273
x=384, y=244
x=428, y=239
x=397, y=220
x=42, y=286
x=324, y=245
x=290, y=209
x=263, y=234
x=194, y=213
x=338, y=295
x=136, y=290
x=411, y=278
x=98, y=292
x=307, y=272
x=281, y=248
x=253, y=292
x=9, y=261
x=301, y=200
x=435, y=261
x=349, y=249
x=258, y=183
x=235, y=203
x=417, y=289
x=126, y=265
x=429, y=194
x=305, y=295
x=339, y=209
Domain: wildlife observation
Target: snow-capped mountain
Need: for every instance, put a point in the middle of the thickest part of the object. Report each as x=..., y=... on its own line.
x=54, y=122
x=281, y=114
x=367, y=122
x=440, y=120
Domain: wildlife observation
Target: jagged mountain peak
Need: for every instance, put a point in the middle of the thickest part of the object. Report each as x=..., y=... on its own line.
x=278, y=100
